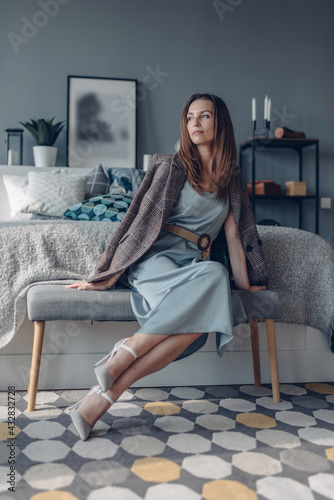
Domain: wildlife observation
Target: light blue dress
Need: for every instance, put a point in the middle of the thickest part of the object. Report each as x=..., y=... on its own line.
x=174, y=290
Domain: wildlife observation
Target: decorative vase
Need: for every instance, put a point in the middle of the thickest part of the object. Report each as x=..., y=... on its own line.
x=45, y=156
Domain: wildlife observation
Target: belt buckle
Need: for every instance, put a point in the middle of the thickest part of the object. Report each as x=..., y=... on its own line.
x=206, y=246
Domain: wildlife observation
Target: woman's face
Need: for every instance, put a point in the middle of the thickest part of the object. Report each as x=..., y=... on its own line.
x=201, y=123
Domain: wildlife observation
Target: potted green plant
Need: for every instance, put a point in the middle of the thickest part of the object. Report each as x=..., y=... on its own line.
x=45, y=134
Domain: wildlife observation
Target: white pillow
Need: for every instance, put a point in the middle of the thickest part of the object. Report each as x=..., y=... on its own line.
x=51, y=193
x=16, y=187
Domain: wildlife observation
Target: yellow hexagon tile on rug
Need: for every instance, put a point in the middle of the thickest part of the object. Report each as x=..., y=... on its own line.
x=4, y=431
x=330, y=454
x=320, y=388
x=162, y=408
x=227, y=490
x=156, y=470
x=54, y=495
x=257, y=420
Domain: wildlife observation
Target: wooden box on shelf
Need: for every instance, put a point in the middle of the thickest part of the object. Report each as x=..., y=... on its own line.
x=265, y=188
x=295, y=188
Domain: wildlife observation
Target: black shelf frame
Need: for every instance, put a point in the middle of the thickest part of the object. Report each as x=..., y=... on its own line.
x=261, y=143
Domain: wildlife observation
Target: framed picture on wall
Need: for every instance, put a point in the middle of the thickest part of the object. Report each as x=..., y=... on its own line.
x=101, y=119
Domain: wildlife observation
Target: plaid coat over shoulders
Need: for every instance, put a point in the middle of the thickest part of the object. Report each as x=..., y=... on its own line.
x=150, y=209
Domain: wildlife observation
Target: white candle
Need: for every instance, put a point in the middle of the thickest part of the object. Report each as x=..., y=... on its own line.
x=13, y=157
x=265, y=107
x=269, y=110
x=253, y=109
x=146, y=162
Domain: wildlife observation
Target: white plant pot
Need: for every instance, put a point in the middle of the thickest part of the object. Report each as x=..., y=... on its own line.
x=45, y=156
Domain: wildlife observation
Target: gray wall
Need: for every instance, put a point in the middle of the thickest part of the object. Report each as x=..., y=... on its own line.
x=282, y=48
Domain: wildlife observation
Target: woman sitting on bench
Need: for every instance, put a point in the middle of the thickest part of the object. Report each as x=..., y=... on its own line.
x=185, y=202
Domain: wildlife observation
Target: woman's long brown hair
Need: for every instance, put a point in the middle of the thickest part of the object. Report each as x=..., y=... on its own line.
x=224, y=154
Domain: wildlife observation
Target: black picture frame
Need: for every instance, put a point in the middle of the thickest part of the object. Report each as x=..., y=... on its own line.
x=101, y=122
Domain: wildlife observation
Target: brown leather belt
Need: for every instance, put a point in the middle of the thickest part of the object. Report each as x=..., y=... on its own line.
x=203, y=241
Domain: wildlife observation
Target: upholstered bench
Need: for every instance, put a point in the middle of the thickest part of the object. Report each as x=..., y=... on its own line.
x=56, y=302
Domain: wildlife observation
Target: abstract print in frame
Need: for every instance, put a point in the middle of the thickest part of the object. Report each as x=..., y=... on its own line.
x=101, y=119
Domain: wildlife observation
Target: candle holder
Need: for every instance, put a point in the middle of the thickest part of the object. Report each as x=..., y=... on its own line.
x=14, y=140
x=258, y=133
x=253, y=128
x=265, y=131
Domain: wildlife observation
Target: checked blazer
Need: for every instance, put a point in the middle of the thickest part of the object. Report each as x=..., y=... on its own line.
x=150, y=209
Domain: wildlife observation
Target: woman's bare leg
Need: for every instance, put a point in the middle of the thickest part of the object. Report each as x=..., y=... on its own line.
x=157, y=357
x=141, y=343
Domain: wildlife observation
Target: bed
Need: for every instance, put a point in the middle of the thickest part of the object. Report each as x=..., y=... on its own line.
x=48, y=248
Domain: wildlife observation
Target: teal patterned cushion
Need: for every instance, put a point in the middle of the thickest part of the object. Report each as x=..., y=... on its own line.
x=107, y=207
x=123, y=176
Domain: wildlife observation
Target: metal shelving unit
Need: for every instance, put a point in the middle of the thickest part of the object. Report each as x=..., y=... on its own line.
x=262, y=143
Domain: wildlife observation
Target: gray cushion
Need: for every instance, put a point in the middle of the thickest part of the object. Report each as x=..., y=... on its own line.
x=55, y=302
x=98, y=182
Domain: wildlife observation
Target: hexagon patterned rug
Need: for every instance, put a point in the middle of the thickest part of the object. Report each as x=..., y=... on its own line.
x=215, y=443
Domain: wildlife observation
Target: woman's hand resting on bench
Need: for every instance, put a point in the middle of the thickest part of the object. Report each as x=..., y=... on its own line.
x=255, y=288
x=96, y=285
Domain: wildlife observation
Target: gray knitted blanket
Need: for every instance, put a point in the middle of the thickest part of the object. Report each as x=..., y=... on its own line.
x=44, y=252
x=301, y=270
x=300, y=265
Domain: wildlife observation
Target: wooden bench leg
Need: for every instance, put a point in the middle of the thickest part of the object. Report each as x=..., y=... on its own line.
x=272, y=351
x=254, y=329
x=39, y=327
